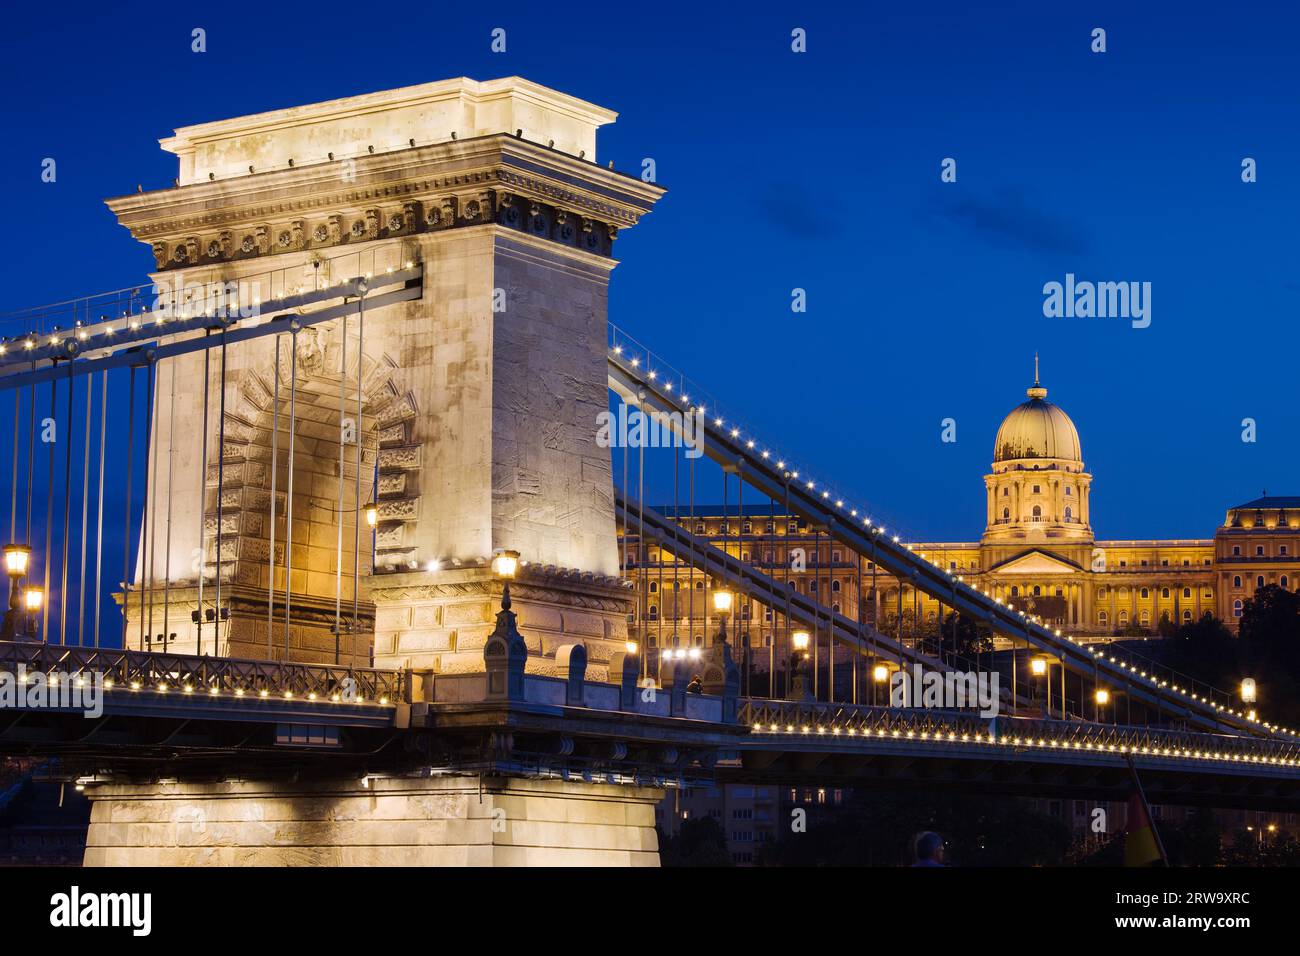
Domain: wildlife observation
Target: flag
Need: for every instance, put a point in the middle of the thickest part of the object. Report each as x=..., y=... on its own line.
x=1140, y=847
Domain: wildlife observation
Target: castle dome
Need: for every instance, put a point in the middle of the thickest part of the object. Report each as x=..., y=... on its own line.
x=1037, y=429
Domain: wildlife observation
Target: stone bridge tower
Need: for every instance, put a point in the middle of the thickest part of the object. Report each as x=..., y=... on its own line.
x=478, y=402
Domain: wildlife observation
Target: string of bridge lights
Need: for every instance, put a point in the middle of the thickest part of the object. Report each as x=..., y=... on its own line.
x=133, y=322
x=1131, y=671
x=948, y=735
x=186, y=687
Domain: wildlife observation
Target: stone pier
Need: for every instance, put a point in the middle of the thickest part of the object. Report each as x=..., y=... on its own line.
x=381, y=821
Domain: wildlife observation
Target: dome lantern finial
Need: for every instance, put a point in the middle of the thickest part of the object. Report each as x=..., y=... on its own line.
x=1036, y=391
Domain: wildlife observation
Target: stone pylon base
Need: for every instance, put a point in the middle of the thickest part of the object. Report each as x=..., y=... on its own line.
x=440, y=821
x=440, y=621
x=311, y=637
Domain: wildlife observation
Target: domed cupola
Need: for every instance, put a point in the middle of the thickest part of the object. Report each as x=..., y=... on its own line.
x=1038, y=490
x=1037, y=429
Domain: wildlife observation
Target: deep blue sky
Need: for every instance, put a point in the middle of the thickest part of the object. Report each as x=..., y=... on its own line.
x=819, y=171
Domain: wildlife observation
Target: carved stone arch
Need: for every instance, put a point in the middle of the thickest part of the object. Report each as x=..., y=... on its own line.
x=388, y=444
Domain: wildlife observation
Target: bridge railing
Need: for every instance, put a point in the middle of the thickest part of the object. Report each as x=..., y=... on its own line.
x=846, y=721
x=188, y=674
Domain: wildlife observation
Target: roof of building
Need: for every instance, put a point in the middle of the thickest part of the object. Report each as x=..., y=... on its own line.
x=1270, y=501
x=1037, y=429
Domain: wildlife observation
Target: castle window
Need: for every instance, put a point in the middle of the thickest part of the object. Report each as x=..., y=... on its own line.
x=1236, y=609
x=1123, y=618
x=1187, y=616
x=1186, y=563
x=835, y=586
x=1037, y=591
x=1006, y=492
x=1164, y=592
x=1282, y=549
x=1037, y=490
x=1259, y=582
x=1259, y=550
x=1015, y=591
x=1146, y=618
x=1236, y=580
x=1038, y=512
x=1102, y=618
x=1068, y=491
x=1006, y=514
x=699, y=585
x=1236, y=550
x=1060, y=593
x=746, y=528
x=1069, y=513
x=1146, y=593
x=654, y=587
x=792, y=527
x=699, y=527
x=835, y=557
x=1284, y=582
x=1187, y=592
x=652, y=612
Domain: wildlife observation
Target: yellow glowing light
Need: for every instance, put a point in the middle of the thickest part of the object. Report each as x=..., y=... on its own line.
x=505, y=563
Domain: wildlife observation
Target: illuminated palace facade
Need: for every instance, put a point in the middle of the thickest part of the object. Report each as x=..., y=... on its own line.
x=1038, y=553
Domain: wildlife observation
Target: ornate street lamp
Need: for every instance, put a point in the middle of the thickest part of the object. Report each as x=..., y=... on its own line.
x=722, y=607
x=1102, y=698
x=1248, y=692
x=800, y=685
x=17, y=557
x=33, y=598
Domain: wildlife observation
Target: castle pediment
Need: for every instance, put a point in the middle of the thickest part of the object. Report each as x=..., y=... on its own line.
x=1038, y=563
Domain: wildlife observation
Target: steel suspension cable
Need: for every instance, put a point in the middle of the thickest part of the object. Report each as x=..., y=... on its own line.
x=221, y=491
x=85, y=517
x=338, y=555
x=99, y=506
x=374, y=491
x=275, y=461
x=126, y=517
x=49, y=509
x=288, y=508
x=146, y=572
x=13, y=499
x=67, y=517
x=203, y=494
x=167, y=545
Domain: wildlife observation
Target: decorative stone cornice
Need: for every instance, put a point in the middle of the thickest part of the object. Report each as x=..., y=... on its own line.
x=533, y=584
x=493, y=179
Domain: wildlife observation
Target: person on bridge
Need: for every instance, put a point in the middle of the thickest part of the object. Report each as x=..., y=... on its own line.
x=929, y=849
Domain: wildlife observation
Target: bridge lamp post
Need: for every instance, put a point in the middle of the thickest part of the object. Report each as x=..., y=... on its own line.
x=504, y=565
x=881, y=675
x=800, y=687
x=1038, y=668
x=1248, y=691
x=33, y=598
x=722, y=607
x=17, y=557
x=1101, y=697
x=371, y=511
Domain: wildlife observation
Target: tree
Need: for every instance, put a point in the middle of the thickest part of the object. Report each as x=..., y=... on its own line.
x=700, y=842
